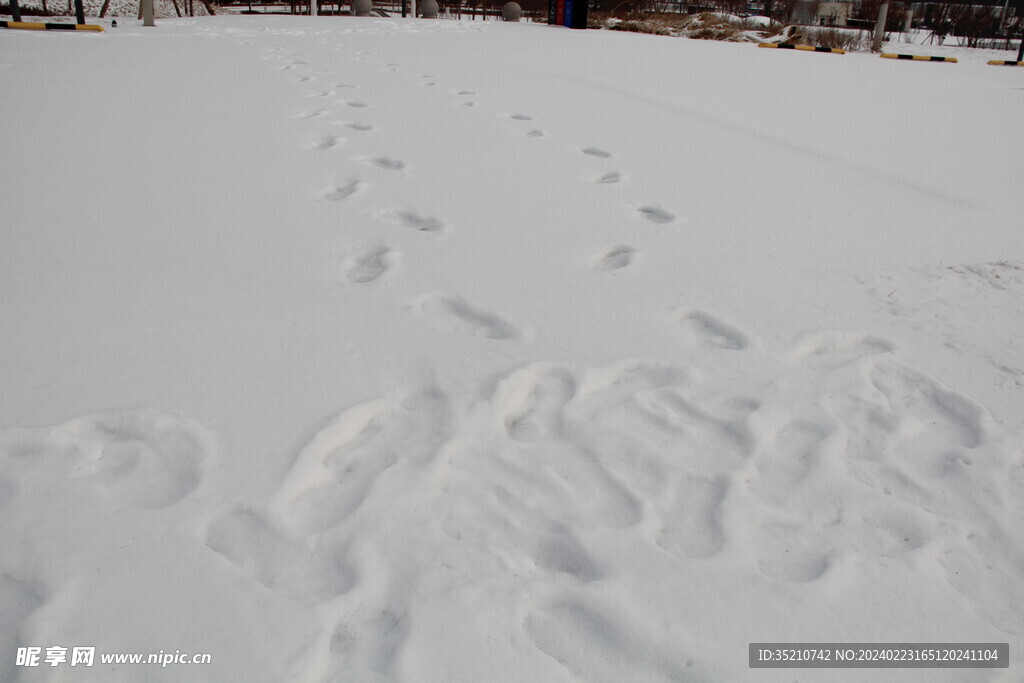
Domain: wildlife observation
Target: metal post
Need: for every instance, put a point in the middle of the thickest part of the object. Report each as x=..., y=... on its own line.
x=313, y=9
x=404, y=8
x=1020, y=50
x=79, y=12
x=15, y=11
x=413, y=9
x=148, y=18
x=883, y=11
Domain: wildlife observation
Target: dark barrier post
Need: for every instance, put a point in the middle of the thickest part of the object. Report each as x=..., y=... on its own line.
x=79, y=12
x=15, y=11
x=571, y=13
x=1020, y=50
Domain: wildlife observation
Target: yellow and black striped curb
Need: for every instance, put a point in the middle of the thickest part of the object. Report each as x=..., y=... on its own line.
x=1003, y=62
x=805, y=48
x=34, y=26
x=918, y=58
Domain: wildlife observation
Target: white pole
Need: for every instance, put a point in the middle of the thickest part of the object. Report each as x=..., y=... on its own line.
x=312, y=8
x=147, y=13
x=413, y=9
x=883, y=11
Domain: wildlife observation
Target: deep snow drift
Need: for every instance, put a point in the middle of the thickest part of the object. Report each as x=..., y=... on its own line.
x=348, y=349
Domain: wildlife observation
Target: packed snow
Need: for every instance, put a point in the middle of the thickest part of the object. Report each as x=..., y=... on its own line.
x=349, y=349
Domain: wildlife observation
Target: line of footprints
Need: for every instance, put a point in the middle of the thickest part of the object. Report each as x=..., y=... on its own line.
x=368, y=263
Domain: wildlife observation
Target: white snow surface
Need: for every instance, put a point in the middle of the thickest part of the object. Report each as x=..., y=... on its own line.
x=355, y=349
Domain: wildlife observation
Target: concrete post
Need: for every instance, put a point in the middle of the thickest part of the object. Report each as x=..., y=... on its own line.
x=148, y=15
x=883, y=12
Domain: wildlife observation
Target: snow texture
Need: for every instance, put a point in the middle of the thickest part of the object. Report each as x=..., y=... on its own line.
x=364, y=349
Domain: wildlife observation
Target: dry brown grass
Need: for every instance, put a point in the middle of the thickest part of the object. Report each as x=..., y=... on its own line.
x=703, y=26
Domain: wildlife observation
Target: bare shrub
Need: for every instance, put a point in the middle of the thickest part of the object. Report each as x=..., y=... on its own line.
x=852, y=41
x=973, y=23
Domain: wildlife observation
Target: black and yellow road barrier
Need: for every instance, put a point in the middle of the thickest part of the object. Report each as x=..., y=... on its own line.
x=1003, y=62
x=805, y=48
x=918, y=58
x=37, y=26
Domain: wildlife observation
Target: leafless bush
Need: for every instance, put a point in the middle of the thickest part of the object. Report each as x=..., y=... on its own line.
x=851, y=41
x=973, y=23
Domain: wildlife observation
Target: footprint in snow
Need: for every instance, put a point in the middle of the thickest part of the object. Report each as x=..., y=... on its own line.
x=616, y=257
x=367, y=264
x=387, y=163
x=411, y=219
x=284, y=565
x=309, y=114
x=466, y=92
x=835, y=348
x=357, y=125
x=452, y=313
x=655, y=214
x=793, y=553
x=520, y=117
x=592, y=647
x=530, y=402
x=356, y=104
x=558, y=550
x=535, y=133
x=140, y=459
x=786, y=467
x=609, y=178
x=326, y=143
x=333, y=192
x=595, y=152
x=338, y=469
x=692, y=528
x=709, y=331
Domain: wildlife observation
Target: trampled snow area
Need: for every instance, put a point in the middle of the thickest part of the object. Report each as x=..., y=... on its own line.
x=377, y=349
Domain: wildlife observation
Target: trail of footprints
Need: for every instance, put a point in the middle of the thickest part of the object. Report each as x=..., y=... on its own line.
x=650, y=212
x=367, y=264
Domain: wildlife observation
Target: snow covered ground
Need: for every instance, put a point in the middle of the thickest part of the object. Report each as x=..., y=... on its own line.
x=368, y=349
